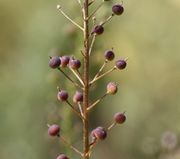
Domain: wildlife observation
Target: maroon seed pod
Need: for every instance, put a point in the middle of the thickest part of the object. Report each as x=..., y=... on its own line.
x=64, y=61
x=121, y=64
x=62, y=156
x=119, y=118
x=54, y=130
x=112, y=88
x=78, y=97
x=74, y=64
x=98, y=29
x=118, y=9
x=109, y=55
x=54, y=62
x=99, y=133
x=62, y=95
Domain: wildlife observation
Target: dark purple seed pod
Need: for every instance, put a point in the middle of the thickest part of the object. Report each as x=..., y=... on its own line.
x=98, y=29
x=62, y=156
x=54, y=62
x=54, y=130
x=109, y=55
x=119, y=118
x=78, y=97
x=121, y=64
x=118, y=9
x=99, y=133
x=112, y=88
x=74, y=64
x=64, y=61
x=62, y=95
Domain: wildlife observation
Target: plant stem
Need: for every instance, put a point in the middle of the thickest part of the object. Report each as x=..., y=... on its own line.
x=86, y=81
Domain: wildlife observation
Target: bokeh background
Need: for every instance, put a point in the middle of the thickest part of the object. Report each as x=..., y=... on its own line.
x=148, y=33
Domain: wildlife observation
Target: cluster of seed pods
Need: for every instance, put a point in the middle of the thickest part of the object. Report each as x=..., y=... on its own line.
x=70, y=62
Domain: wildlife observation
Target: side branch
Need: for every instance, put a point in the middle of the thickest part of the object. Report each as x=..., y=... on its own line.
x=66, y=16
x=71, y=146
x=77, y=85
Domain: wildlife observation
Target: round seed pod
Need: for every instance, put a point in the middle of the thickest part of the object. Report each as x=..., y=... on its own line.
x=62, y=156
x=54, y=130
x=112, y=88
x=62, y=95
x=117, y=9
x=121, y=64
x=64, y=61
x=54, y=62
x=98, y=29
x=109, y=55
x=119, y=118
x=99, y=133
x=74, y=64
x=78, y=97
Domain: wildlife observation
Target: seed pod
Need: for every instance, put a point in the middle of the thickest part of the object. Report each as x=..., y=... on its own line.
x=119, y=118
x=54, y=62
x=62, y=156
x=99, y=133
x=74, y=64
x=121, y=64
x=118, y=9
x=109, y=55
x=54, y=130
x=112, y=88
x=98, y=29
x=64, y=61
x=78, y=97
x=62, y=95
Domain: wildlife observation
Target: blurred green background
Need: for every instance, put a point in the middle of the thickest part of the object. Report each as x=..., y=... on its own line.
x=148, y=33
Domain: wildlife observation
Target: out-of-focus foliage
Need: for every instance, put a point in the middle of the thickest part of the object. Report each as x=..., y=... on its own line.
x=148, y=33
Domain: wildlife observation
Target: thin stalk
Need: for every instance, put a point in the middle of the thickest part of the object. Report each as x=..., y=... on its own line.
x=75, y=111
x=78, y=76
x=111, y=126
x=67, y=17
x=86, y=81
x=77, y=85
x=98, y=7
x=108, y=19
x=92, y=44
x=100, y=70
x=96, y=102
x=71, y=146
x=104, y=74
